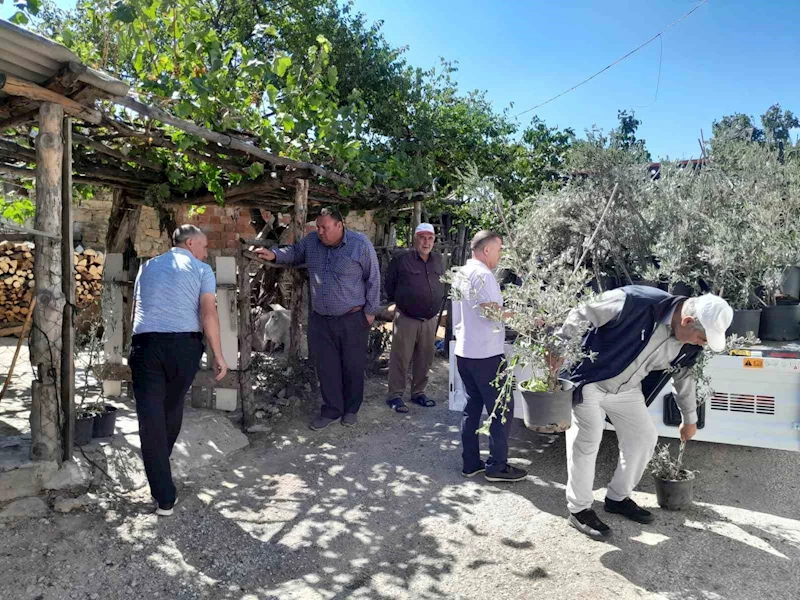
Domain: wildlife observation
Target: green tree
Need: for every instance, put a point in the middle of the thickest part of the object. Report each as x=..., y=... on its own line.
x=777, y=124
x=624, y=136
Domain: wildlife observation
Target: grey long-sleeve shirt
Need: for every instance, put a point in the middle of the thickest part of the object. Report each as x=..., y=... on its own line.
x=657, y=355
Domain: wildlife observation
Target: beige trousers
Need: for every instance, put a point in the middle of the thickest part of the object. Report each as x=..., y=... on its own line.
x=636, y=435
x=412, y=343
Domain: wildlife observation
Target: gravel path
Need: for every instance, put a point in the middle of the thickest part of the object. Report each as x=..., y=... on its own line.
x=381, y=511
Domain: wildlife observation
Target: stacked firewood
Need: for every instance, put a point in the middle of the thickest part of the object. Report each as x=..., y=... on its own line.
x=16, y=279
x=88, y=276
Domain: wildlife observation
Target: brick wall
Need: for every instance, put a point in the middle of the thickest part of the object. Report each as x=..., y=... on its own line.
x=223, y=226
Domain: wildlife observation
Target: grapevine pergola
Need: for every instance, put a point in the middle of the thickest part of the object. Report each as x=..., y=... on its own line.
x=63, y=124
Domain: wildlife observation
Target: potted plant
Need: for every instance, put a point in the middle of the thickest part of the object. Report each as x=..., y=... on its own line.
x=97, y=419
x=674, y=483
x=549, y=286
x=538, y=308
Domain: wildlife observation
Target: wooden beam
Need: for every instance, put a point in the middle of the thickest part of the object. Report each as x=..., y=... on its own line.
x=13, y=122
x=103, y=149
x=14, y=86
x=115, y=175
x=68, y=288
x=62, y=82
x=45, y=344
x=227, y=141
x=417, y=216
x=28, y=154
x=245, y=189
x=298, y=276
x=273, y=265
x=246, y=395
x=22, y=173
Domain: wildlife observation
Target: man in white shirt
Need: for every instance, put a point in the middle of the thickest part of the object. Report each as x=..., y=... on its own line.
x=479, y=353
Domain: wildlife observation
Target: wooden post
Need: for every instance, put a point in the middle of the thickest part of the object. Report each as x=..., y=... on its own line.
x=245, y=342
x=45, y=349
x=120, y=239
x=68, y=288
x=417, y=218
x=380, y=230
x=460, y=255
x=298, y=276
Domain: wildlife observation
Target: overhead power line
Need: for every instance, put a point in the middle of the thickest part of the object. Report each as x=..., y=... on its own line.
x=616, y=62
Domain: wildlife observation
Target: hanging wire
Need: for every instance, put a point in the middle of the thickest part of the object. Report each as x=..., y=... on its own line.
x=616, y=62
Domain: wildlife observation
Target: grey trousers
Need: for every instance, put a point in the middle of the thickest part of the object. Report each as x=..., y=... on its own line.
x=412, y=343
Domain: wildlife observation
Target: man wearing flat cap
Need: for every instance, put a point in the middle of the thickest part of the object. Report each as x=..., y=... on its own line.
x=413, y=284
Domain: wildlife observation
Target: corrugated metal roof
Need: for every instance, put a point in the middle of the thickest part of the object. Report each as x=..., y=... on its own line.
x=36, y=59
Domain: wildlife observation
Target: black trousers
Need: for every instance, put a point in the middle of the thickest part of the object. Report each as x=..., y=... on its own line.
x=338, y=346
x=477, y=375
x=163, y=366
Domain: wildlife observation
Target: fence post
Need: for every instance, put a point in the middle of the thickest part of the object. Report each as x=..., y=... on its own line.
x=68, y=288
x=298, y=276
x=245, y=342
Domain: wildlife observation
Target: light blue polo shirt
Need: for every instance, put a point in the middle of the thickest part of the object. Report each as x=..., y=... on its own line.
x=167, y=293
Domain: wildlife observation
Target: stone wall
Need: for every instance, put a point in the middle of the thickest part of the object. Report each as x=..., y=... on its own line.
x=363, y=222
x=149, y=240
x=90, y=221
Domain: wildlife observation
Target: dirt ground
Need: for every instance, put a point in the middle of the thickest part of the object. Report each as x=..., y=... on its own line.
x=381, y=511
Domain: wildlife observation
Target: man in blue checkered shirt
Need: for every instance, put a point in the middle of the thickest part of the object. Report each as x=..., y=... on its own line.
x=344, y=278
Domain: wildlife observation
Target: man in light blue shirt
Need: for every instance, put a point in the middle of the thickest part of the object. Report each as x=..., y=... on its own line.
x=174, y=304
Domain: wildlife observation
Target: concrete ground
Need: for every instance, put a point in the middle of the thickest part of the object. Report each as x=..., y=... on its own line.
x=381, y=511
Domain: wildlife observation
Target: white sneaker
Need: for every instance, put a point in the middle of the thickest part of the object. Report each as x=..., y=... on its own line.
x=167, y=510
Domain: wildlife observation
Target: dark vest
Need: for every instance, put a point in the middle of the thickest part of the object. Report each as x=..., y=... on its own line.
x=620, y=341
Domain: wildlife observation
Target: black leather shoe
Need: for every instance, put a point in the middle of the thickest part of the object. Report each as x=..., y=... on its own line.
x=628, y=508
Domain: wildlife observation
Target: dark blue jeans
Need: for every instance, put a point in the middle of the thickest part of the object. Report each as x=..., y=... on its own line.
x=477, y=375
x=163, y=366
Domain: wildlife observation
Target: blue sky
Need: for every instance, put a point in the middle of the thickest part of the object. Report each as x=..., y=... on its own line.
x=729, y=56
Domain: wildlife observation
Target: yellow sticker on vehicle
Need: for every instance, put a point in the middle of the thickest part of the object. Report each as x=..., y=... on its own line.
x=753, y=363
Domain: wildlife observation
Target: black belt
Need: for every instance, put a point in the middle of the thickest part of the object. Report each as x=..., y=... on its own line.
x=155, y=335
x=353, y=311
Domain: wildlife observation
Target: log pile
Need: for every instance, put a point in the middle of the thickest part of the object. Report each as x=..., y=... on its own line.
x=88, y=276
x=17, y=282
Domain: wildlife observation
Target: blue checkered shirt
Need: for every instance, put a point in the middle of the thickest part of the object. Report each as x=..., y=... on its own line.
x=340, y=278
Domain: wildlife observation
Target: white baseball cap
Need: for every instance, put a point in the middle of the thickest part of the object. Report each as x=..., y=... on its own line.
x=424, y=228
x=715, y=315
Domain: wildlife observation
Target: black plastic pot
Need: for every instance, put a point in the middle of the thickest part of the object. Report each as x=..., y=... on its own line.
x=547, y=412
x=780, y=323
x=675, y=494
x=662, y=285
x=745, y=321
x=608, y=283
x=104, y=423
x=682, y=289
x=84, y=423
x=790, y=286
